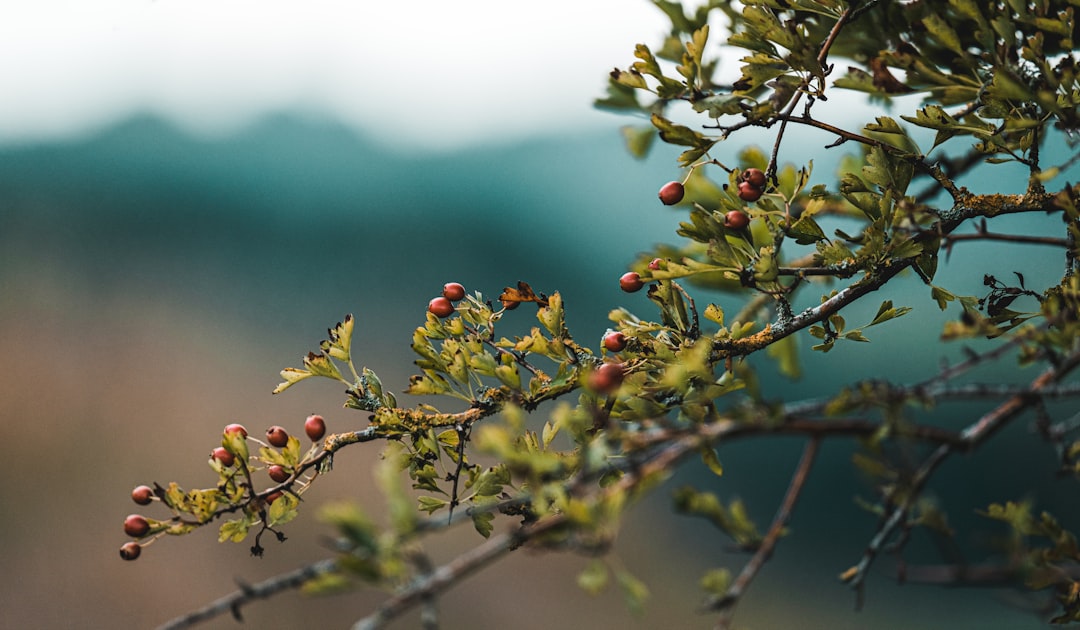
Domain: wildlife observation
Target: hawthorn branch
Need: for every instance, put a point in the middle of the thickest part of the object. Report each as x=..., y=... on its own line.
x=232, y=602
x=973, y=436
x=750, y=570
x=1011, y=238
x=985, y=575
x=449, y=574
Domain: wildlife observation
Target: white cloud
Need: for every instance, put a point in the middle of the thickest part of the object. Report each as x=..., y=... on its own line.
x=431, y=72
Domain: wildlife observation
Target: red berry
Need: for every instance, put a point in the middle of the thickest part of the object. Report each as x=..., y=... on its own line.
x=509, y=304
x=755, y=177
x=236, y=428
x=615, y=341
x=440, y=307
x=606, y=378
x=277, y=473
x=130, y=550
x=631, y=281
x=143, y=495
x=736, y=220
x=224, y=456
x=672, y=193
x=655, y=263
x=315, y=427
x=453, y=291
x=277, y=436
x=136, y=525
x=274, y=497
x=749, y=192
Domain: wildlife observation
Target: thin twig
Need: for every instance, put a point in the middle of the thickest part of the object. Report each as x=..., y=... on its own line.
x=1011, y=238
x=232, y=602
x=975, y=434
x=768, y=543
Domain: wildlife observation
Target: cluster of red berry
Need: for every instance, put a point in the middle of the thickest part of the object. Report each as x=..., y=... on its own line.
x=751, y=186
x=138, y=526
x=443, y=306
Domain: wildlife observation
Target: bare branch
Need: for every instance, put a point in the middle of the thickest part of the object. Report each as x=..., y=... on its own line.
x=234, y=601
x=768, y=543
x=974, y=435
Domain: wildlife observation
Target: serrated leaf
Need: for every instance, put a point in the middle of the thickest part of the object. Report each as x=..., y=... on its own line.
x=339, y=342
x=886, y=312
x=942, y=32
x=673, y=133
x=431, y=504
x=282, y=510
x=236, y=443
x=235, y=530
x=427, y=385
x=548, y=433
x=715, y=314
x=806, y=231
x=718, y=105
x=291, y=376
x=620, y=97
x=941, y=296
x=321, y=365
x=482, y=522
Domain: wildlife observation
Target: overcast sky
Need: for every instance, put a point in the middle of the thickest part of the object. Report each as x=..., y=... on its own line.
x=429, y=72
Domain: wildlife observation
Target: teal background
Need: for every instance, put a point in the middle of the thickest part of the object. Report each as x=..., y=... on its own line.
x=153, y=284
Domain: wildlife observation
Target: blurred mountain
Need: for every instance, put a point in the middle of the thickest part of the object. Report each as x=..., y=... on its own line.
x=152, y=284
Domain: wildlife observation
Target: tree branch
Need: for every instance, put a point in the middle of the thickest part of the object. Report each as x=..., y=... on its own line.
x=232, y=603
x=974, y=435
x=750, y=570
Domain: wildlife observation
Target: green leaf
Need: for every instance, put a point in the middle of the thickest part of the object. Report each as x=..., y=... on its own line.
x=712, y=460
x=786, y=353
x=282, y=510
x=594, y=578
x=714, y=313
x=235, y=530
x=941, y=296
x=673, y=133
x=551, y=316
x=639, y=139
x=806, y=231
x=548, y=434
x=940, y=29
x=620, y=97
x=482, y=522
x=339, y=343
x=634, y=590
x=886, y=312
x=855, y=335
x=291, y=376
x=236, y=443
x=321, y=365
x=431, y=504
x=327, y=583
x=718, y=105
x=427, y=385
x=716, y=581
x=351, y=522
